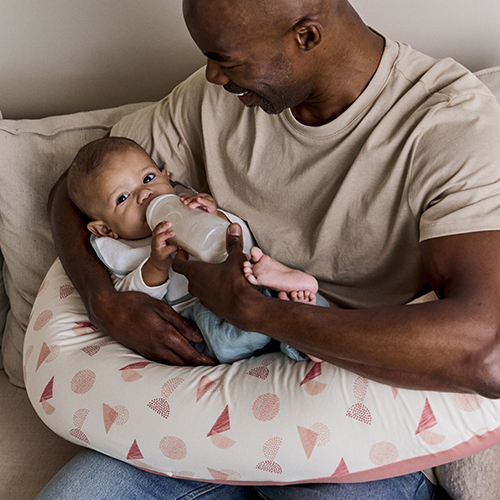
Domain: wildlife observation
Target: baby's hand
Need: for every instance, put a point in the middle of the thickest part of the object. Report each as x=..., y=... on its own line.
x=156, y=269
x=161, y=249
x=202, y=201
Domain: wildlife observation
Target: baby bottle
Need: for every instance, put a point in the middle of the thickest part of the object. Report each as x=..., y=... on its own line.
x=201, y=234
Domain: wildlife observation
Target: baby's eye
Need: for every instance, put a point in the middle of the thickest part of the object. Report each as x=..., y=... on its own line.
x=148, y=178
x=121, y=198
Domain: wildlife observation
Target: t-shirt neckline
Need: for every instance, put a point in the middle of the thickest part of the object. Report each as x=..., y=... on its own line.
x=352, y=114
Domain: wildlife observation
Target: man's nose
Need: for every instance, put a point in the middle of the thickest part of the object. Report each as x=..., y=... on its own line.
x=214, y=73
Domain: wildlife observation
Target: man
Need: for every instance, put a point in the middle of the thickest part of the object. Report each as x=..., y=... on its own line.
x=354, y=158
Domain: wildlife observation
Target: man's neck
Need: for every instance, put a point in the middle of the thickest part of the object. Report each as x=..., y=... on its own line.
x=342, y=85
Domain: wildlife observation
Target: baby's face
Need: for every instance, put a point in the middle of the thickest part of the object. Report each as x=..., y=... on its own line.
x=123, y=190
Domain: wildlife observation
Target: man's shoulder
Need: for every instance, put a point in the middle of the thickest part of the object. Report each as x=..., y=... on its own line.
x=445, y=78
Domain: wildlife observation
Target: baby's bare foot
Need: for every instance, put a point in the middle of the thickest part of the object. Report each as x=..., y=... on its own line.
x=268, y=272
x=304, y=296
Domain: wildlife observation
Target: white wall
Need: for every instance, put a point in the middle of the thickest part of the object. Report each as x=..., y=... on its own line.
x=467, y=30
x=61, y=56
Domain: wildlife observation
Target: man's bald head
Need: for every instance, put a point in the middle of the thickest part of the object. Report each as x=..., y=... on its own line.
x=253, y=16
x=314, y=56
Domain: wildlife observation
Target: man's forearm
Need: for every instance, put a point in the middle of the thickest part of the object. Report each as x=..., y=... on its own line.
x=433, y=346
x=71, y=240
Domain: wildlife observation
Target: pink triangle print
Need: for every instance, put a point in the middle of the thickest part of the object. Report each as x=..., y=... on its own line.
x=341, y=469
x=136, y=366
x=48, y=392
x=110, y=415
x=427, y=419
x=205, y=385
x=82, y=327
x=130, y=376
x=313, y=373
x=222, y=424
x=46, y=395
x=44, y=354
x=135, y=453
x=308, y=439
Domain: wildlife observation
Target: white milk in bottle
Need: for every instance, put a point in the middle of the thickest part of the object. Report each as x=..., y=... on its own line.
x=201, y=234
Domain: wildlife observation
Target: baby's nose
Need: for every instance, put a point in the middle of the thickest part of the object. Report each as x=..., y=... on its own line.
x=144, y=194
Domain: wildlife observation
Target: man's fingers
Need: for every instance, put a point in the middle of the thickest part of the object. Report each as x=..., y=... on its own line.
x=179, y=264
x=187, y=328
x=189, y=355
x=234, y=238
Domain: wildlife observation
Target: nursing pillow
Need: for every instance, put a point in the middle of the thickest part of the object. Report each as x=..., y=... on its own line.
x=267, y=419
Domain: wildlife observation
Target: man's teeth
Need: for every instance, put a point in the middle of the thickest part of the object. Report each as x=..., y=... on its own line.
x=243, y=93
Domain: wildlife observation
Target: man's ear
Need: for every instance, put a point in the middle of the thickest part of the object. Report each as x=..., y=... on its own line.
x=100, y=228
x=308, y=33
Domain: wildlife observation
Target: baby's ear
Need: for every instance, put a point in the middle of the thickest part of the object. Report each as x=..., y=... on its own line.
x=100, y=228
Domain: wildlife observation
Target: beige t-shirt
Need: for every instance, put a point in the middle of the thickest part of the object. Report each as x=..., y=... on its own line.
x=416, y=156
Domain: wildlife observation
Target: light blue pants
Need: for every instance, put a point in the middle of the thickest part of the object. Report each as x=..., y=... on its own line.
x=92, y=476
x=227, y=343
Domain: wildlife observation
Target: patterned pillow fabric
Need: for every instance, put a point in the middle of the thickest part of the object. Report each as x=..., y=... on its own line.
x=267, y=419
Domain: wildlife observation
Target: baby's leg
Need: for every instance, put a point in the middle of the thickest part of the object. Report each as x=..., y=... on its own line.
x=296, y=285
x=292, y=284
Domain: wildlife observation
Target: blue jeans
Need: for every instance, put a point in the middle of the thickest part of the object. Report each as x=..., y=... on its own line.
x=92, y=476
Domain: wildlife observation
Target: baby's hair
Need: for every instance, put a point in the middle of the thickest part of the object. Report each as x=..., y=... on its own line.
x=89, y=158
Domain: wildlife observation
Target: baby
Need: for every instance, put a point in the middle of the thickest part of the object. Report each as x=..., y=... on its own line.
x=112, y=181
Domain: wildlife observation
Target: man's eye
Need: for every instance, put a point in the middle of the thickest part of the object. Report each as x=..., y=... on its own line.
x=121, y=198
x=148, y=178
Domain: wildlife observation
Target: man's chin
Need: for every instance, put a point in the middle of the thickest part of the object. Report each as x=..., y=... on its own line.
x=271, y=109
x=266, y=106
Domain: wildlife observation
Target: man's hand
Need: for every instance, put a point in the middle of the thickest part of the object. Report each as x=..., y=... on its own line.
x=149, y=327
x=220, y=287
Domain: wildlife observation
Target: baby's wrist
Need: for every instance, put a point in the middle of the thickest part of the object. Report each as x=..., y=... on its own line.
x=154, y=275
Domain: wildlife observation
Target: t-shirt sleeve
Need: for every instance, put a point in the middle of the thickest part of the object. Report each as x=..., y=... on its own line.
x=455, y=180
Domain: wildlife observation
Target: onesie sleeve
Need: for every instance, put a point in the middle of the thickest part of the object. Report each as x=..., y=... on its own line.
x=133, y=282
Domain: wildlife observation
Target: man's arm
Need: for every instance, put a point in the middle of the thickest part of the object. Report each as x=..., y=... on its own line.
x=447, y=345
x=146, y=325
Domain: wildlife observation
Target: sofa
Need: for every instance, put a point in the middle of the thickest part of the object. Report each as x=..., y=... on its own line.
x=33, y=154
